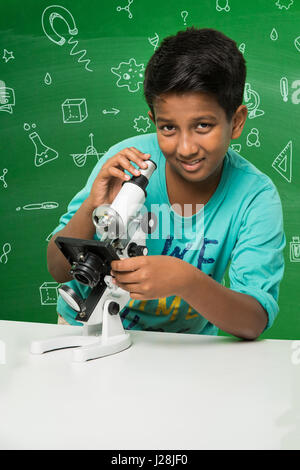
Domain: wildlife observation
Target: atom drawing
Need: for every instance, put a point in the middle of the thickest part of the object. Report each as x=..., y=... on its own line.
x=130, y=74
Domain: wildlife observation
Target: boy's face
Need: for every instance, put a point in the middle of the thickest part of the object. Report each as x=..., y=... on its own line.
x=194, y=133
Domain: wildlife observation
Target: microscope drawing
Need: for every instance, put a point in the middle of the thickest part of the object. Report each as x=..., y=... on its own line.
x=121, y=230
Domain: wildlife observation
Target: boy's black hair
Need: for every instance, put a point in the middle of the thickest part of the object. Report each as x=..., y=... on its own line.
x=194, y=60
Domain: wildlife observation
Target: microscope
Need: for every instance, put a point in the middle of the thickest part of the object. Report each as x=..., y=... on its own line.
x=121, y=229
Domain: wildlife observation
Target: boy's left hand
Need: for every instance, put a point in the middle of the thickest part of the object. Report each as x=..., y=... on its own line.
x=150, y=277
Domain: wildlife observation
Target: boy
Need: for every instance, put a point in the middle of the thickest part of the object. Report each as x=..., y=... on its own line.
x=194, y=87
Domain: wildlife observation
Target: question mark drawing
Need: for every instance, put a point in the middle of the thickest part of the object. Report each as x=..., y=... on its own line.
x=184, y=15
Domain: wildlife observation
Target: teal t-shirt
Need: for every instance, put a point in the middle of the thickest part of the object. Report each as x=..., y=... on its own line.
x=241, y=226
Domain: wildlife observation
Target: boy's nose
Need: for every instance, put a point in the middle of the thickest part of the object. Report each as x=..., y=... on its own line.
x=186, y=148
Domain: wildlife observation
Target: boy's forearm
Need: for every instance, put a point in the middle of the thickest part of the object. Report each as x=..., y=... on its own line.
x=233, y=312
x=80, y=226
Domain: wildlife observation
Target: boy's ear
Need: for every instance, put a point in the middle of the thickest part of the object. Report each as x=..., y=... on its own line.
x=238, y=121
x=151, y=117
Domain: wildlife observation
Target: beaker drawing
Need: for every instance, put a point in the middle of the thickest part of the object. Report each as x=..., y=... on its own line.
x=43, y=153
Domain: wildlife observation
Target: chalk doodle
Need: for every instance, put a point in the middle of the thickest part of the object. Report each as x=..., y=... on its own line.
x=74, y=110
x=222, y=5
x=242, y=48
x=127, y=8
x=114, y=111
x=274, y=34
x=7, y=55
x=236, y=147
x=154, y=41
x=184, y=15
x=253, y=138
x=5, y=249
x=283, y=162
x=284, y=88
x=80, y=158
x=39, y=205
x=297, y=43
x=142, y=124
x=295, y=250
x=49, y=293
x=252, y=100
x=48, y=79
x=286, y=4
x=7, y=99
x=130, y=75
x=2, y=178
x=43, y=153
x=48, y=238
x=57, y=11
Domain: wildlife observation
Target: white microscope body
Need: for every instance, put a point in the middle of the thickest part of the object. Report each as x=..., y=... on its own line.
x=122, y=232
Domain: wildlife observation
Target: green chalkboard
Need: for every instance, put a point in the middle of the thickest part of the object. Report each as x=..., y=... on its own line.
x=71, y=86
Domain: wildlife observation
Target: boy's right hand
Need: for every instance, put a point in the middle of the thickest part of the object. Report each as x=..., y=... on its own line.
x=111, y=176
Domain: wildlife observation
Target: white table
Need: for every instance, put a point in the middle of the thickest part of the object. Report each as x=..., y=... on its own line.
x=167, y=391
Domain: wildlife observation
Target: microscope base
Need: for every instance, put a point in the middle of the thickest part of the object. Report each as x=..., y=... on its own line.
x=88, y=347
x=93, y=343
x=100, y=349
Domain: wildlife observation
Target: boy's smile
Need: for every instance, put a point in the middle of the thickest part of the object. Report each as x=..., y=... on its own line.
x=194, y=135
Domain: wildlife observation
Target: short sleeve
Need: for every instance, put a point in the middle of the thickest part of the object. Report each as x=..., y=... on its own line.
x=257, y=261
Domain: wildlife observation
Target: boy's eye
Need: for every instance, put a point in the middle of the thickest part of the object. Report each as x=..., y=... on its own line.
x=203, y=125
x=167, y=128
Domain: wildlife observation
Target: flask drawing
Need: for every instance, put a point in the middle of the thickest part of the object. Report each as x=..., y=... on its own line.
x=43, y=153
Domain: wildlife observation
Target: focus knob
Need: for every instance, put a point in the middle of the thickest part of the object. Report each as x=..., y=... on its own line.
x=136, y=250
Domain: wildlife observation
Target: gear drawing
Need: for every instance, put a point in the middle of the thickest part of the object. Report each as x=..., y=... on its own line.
x=141, y=124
